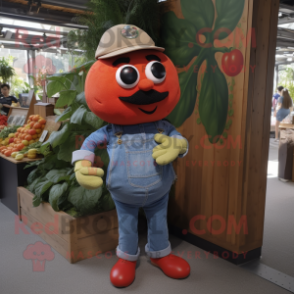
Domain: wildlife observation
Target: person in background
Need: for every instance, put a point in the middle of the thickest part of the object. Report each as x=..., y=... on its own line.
x=283, y=109
x=277, y=96
x=6, y=100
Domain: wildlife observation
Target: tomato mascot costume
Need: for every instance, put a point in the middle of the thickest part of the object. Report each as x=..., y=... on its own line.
x=133, y=86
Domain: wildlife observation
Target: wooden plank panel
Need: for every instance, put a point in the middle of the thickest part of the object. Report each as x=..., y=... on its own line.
x=96, y=251
x=54, y=240
x=45, y=213
x=237, y=191
x=96, y=224
x=108, y=236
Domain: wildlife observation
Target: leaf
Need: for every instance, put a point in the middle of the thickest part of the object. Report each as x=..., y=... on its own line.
x=81, y=99
x=36, y=201
x=33, y=175
x=66, y=98
x=54, y=86
x=59, y=137
x=55, y=193
x=31, y=164
x=73, y=212
x=188, y=84
x=42, y=187
x=77, y=117
x=103, y=154
x=84, y=200
x=199, y=121
x=67, y=148
x=32, y=186
x=199, y=12
x=231, y=112
x=93, y=120
x=107, y=202
x=229, y=13
x=57, y=175
x=67, y=113
x=179, y=39
x=213, y=101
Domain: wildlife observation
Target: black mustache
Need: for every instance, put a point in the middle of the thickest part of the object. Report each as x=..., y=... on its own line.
x=145, y=97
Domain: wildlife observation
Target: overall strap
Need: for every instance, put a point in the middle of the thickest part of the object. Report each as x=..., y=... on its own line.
x=160, y=126
x=117, y=131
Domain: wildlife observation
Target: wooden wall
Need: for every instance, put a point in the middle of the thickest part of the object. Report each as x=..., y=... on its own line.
x=206, y=186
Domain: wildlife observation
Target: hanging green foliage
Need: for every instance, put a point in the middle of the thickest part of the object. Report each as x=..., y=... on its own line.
x=103, y=14
x=6, y=70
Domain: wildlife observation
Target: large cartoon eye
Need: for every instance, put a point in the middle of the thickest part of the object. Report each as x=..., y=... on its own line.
x=155, y=71
x=127, y=76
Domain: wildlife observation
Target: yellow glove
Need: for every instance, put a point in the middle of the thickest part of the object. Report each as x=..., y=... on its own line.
x=169, y=149
x=88, y=177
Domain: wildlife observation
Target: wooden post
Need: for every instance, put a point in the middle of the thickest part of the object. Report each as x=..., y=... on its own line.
x=219, y=198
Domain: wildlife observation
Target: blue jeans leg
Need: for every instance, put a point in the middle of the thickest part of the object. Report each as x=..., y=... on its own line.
x=158, y=238
x=128, y=231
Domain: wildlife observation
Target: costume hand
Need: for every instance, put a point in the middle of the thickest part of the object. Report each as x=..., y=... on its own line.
x=169, y=149
x=88, y=177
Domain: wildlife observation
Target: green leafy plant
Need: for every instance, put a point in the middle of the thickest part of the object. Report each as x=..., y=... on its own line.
x=179, y=37
x=53, y=180
x=6, y=70
x=103, y=14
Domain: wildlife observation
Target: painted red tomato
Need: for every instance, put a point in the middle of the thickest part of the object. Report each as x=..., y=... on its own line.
x=232, y=63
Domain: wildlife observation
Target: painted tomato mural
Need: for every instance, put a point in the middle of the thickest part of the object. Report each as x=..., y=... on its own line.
x=180, y=37
x=232, y=63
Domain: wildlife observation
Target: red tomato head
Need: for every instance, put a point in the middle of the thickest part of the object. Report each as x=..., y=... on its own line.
x=133, y=88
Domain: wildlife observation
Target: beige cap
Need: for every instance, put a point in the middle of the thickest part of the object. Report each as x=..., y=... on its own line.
x=124, y=38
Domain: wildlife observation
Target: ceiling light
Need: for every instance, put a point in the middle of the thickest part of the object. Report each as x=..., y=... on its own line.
x=280, y=14
x=289, y=59
x=2, y=46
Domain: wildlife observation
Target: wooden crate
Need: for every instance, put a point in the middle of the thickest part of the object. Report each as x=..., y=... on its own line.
x=44, y=109
x=74, y=238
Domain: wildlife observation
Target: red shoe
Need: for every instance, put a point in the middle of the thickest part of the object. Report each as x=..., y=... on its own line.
x=123, y=273
x=173, y=266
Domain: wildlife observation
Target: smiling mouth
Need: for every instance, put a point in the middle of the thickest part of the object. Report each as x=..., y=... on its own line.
x=148, y=112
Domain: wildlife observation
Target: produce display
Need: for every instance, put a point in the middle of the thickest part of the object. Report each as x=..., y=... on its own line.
x=17, y=141
x=3, y=121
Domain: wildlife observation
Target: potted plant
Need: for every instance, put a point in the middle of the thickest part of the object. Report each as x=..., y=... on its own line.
x=6, y=70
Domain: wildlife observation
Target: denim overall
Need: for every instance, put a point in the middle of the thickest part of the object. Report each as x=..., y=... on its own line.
x=134, y=180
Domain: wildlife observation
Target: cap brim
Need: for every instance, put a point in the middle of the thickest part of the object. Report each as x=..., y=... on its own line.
x=130, y=49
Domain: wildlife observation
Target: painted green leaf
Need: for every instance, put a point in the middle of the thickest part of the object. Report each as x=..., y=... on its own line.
x=66, y=98
x=178, y=36
x=213, y=101
x=231, y=112
x=186, y=105
x=199, y=12
x=229, y=13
